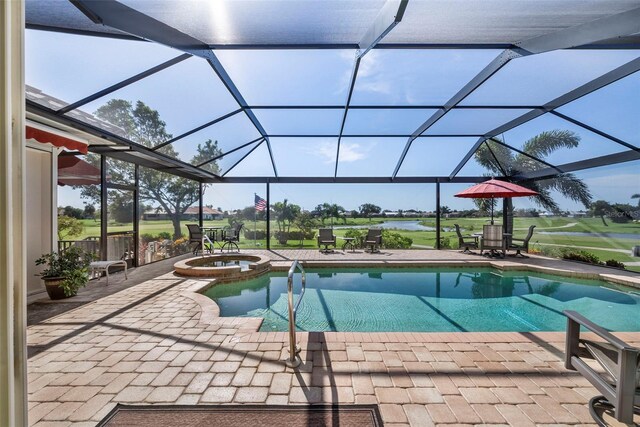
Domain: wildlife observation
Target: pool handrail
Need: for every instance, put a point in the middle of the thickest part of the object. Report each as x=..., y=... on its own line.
x=293, y=361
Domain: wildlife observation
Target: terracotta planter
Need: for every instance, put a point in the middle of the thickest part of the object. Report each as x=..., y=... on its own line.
x=54, y=289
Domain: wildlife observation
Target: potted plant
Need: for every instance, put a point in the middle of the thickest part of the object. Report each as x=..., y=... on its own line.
x=65, y=271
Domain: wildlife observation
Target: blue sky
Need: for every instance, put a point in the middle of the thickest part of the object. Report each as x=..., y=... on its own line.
x=189, y=94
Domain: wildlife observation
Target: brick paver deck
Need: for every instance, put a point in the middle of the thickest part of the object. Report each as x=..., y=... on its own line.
x=153, y=343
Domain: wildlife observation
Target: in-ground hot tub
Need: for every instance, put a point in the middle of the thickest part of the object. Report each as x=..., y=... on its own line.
x=224, y=267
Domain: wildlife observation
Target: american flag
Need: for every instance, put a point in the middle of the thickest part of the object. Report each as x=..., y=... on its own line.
x=261, y=204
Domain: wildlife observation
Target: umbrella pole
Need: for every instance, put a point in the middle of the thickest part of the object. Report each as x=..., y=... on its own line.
x=491, y=211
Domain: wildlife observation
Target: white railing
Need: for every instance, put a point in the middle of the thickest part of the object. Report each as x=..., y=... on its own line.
x=293, y=361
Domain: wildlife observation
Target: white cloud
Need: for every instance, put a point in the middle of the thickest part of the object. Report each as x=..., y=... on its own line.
x=325, y=150
x=352, y=152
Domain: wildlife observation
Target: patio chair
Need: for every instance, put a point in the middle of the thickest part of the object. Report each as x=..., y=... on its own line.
x=617, y=375
x=326, y=238
x=493, y=240
x=522, y=244
x=466, y=242
x=373, y=239
x=231, y=237
x=195, y=237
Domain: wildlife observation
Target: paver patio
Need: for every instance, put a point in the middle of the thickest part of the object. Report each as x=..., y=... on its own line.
x=153, y=343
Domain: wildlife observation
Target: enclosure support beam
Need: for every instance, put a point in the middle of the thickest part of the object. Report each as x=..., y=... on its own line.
x=587, y=88
x=123, y=83
x=245, y=156
x=268, y=212
x=104, y=202
x=186, y=169
x=348, y=180
x=121, y=17
x=596, y=131
x=609, y=27
x=610, y=159
x=136, y=216
x=618, y=25
x=389, y=16
x=438, y=244
x=201, y=204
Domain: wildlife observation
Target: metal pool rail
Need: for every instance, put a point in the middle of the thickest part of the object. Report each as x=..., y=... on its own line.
x=293, y=361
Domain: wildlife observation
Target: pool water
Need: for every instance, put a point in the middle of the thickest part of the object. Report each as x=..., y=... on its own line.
x=430, y=300
x=244, y=264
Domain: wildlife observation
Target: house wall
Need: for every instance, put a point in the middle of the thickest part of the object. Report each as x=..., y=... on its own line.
x=39, y=214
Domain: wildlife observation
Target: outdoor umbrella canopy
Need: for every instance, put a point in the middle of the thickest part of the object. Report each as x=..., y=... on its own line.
x=494, y=188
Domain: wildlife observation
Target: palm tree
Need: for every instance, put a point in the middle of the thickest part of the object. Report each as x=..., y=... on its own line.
x=513, y=164
x=636, y=196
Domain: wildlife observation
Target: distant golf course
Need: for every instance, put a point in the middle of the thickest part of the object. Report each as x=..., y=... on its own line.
x=607, y=242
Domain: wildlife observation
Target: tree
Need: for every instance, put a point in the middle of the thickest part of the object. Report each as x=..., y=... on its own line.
x=89, y=212
x=513, y=164
x=621, y=213
x=284, y=214
x=486, y=205
x=636, y=196
x=72, y=212
x=445, y=209
x=368, y=209
x=143, y=125
x=336, y=211
x=249, y=214
x=69, y=227
x=600, y=208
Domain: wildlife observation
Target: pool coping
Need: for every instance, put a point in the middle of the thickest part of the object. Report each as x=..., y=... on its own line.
x=210, y=311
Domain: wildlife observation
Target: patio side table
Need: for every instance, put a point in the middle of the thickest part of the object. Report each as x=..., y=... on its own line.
x=349, y=243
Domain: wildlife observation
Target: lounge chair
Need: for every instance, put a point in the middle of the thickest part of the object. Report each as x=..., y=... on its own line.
x=522, y=244
x=195, y=237
x=326, y=238
x=373, y=239
x=231, y=237
x=493, y=240
x=618, y=373
x=466, y=242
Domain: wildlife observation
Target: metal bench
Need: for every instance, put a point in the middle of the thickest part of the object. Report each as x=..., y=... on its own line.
x=618, y=376
x=103, y=266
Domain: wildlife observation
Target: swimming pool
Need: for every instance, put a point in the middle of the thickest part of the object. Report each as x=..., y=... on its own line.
x=430, y=300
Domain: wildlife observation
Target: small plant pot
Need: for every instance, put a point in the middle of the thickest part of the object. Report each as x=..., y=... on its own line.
x=54, y=290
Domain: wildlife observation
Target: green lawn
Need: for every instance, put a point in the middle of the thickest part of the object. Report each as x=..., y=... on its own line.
x=427, y=238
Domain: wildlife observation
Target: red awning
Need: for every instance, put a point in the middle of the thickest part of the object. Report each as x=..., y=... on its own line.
x=46, y=137
x=75, y=171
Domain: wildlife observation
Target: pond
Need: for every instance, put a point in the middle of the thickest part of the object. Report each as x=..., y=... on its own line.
x=398, y=225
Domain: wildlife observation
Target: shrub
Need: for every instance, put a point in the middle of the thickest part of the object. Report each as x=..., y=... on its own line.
x=147, y=237
x=284, y=236
x=71, y=264
x=255, y=235
x=445, y=243
x=582, y=256
x=393, y=240
x=358, y=234
x=614, y=263
x=164, y=235
x=69, y=227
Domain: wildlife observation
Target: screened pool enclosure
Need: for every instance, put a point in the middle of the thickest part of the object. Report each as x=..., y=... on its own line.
x=185, y=97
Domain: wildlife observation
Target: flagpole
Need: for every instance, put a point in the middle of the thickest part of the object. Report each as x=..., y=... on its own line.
x=255, y=214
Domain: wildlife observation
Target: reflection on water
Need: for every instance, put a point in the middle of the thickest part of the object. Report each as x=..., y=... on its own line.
x=398, y=225
x=428, y=300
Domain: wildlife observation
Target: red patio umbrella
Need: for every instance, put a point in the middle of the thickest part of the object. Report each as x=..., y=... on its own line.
x=494, y=188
